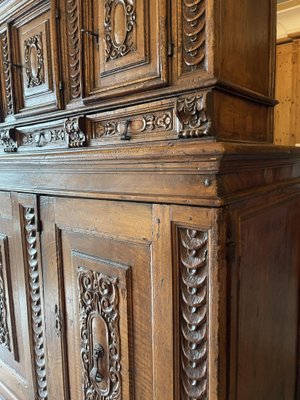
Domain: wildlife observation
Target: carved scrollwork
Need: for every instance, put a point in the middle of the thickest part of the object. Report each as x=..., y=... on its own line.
x=119, y=35
x=73, y=31
x=34, y=60
x=194, y=34
x=192, y=114
x=98, y=296
x=7, y=73
x=8, y=140
x=4, y=332
x=194, y=314
x=75, y=135
x=32, y=263
x=41, y=138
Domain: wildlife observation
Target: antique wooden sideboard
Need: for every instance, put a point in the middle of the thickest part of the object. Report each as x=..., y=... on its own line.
x=149, y=229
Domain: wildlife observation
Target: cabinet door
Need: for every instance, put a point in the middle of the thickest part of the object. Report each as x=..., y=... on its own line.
x=106, y=296
x=125, y=45
x=21, y=327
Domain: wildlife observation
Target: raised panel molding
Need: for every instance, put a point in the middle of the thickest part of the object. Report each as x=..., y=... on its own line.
x=35, y=300
x=193, y=309
x=194, y=34
x=34, y=60
x=119, y=34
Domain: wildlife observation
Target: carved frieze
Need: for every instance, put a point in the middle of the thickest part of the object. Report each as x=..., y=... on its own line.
x=34, y=61
x=43, y=137
x=74, y=132
x=120, y=23
x=192, y=114
x=194, y=34
x=4, y=332
x=8, y=140
x=99, y=299
x=35, y=296
x=73, y=32
x=7, y=73
x=154, y=122
x=193, y=314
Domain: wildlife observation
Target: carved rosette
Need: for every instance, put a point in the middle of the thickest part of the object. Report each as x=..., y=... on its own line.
x=34, y=60
x=4, y=333
x=30, y=232
x=193, y=314
x=73, y=32
x=98, y=295
x=194, y=34
x=75, y=136
x=119, y=35
x=7, y=74
x=8, y=140
x=192, y=114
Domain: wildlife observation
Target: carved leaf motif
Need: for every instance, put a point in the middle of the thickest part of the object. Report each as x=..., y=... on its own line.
x=116, y=47
x=32, y=263
x=192, y=114
x=7, y=140
x=34, y=60
x=193, y=314
x=194, y=34
x=7, y=73
x=98, y=293
x=4, y=333
x=76, y=137
x=73, y=30
x=43, y=137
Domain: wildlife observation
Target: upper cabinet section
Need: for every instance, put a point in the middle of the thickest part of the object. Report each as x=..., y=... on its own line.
x=29, y=76
x=124, y=45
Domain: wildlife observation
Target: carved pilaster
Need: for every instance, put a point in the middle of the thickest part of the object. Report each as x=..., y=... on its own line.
x=194, y=34
x=193, y=252
x=99, y=299
x=8, y=140
x=73, y=35
x=74, y=132
x=120, y=43
x=34, y=286
x=4, y=332
x=192, y=114
x=7, y=78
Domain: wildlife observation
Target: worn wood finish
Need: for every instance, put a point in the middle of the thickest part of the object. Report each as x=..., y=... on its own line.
x=148, y=227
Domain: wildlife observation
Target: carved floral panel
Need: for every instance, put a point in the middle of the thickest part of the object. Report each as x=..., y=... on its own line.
x=34, y=61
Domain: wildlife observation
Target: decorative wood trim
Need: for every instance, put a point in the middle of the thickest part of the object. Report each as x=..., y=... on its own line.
x=4, y=332
x=74, y=131
x=34, y=77
x=34, y=287
x=7, y=75
x=194, y=34
x=192, y=114
x=43, y=137
x=115, y=49
x=99, y=295
x=194, y=346
x=8, y=140
x=73, y=34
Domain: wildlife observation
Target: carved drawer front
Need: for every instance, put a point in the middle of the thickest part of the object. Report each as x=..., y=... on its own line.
x=125, y=45
x=99, y=299
x=34, y=69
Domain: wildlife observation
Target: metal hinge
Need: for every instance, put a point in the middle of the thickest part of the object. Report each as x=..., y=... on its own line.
x=39, y=226
x=170, y=50
x=60, y=85
x=57, y=13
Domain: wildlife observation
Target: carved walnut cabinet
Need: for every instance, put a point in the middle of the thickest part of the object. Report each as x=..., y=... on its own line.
x=149, y=229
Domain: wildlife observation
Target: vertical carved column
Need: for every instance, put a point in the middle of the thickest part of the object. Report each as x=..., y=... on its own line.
x=4, y=333
x=34, y=285
x=193, y=250
x=6, y=73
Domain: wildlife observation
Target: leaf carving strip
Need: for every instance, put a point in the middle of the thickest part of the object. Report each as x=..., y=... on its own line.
x=116, y=50
x=4, y=333
x=35, y=302
x=7, y=73
x=194, y=34
x=194, y=314
x=73, y=31
x=98, y=293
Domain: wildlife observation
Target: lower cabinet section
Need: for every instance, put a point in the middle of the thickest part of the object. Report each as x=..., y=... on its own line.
x=111, y=300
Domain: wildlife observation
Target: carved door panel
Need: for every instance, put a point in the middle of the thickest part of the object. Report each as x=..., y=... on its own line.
x=18, y=302
x=101, y=293
x=35, y=65
x=125, y=45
